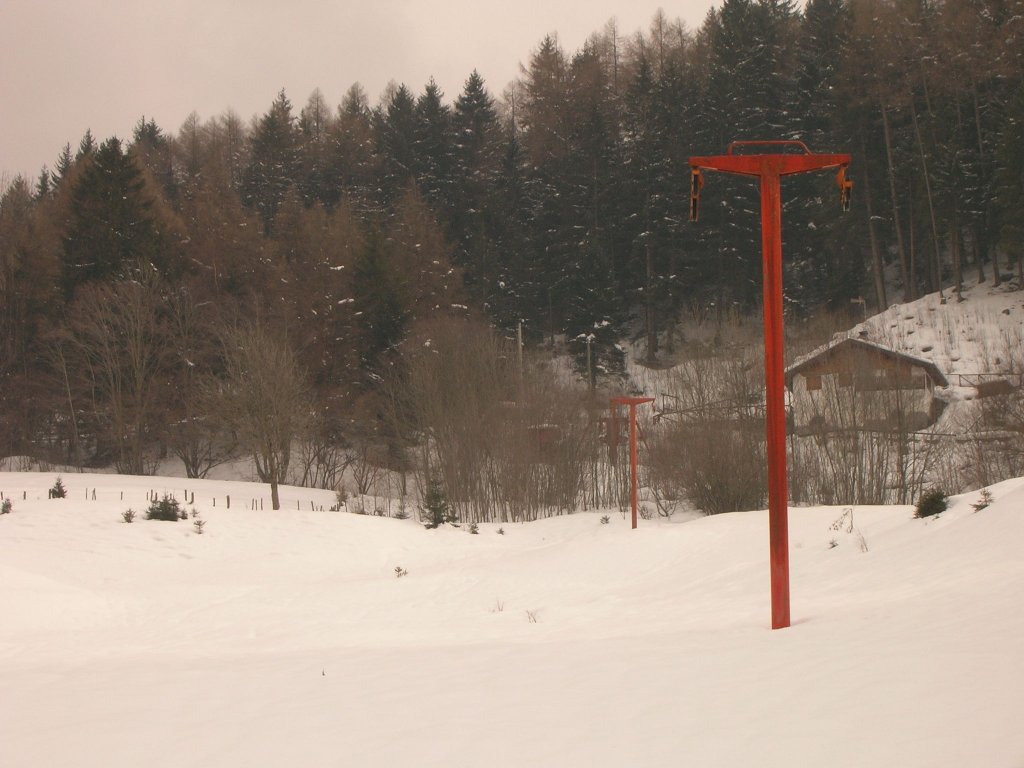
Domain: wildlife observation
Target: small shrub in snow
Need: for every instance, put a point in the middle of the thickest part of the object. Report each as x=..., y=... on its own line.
x=128, y=515
x=501, y=531
x=6, y=506
x=436, y=509
x=400, y=572
x=645, y=512
x=931, y=503
x=984, y=501
x=165, y=509
x=473, y=528
x=605, y=520
x=58, y=491
x=844, y=521
x=198, y=524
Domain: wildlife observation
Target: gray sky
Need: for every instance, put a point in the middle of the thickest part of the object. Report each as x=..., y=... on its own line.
x=69, y=65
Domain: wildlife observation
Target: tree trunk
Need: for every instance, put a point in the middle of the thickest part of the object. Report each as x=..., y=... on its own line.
x=909, y=285
x=876, y=254
x=928, y=197
x=954, y=244
x=652, y=333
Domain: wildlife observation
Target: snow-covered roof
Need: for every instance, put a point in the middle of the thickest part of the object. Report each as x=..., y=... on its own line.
x=845, y=342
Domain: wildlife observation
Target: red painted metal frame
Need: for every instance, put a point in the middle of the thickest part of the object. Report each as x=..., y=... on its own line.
x=632, y=402
x=769, y=168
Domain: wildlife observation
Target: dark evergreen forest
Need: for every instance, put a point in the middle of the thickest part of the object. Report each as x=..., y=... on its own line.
x=560, y=203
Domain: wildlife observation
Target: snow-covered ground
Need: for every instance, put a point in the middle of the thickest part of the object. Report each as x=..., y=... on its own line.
x=287, y=639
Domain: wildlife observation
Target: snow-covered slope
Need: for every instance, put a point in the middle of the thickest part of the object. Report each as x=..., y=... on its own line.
x=286, y=639
x=984, y=333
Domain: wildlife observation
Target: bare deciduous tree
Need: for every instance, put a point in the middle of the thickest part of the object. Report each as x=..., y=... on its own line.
x=118, y=348
x=263, y=399
x=193, y=436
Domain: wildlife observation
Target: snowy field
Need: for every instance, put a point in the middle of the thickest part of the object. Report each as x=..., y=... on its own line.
x=287, y=639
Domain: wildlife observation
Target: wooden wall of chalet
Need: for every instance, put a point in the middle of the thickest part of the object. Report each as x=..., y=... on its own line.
x=854, y=387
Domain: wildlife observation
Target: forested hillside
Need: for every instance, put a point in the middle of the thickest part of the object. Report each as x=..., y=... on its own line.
x=144, y=280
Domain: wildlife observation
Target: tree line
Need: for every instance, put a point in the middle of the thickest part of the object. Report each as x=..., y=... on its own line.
x=133, y=272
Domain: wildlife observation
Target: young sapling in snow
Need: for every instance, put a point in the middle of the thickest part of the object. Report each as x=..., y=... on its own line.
x=128, y=515
x=435, y=507
x=844, y=523
x=165, y=509
x=984, y=501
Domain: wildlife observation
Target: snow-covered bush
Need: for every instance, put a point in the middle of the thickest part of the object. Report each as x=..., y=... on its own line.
x=6, y=506
x=435, y=509
x=165, y=509
x=58, y=491
x=931, y=503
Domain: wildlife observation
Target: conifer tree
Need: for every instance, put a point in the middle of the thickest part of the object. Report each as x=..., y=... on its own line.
x=62, y=167
x=396, y=142
x=274, y=161
x=86, y=146
x=380, y=304
x=433, y=149
x=472, y=220
x=113, y=232
x=314, y=131
x=353, y=161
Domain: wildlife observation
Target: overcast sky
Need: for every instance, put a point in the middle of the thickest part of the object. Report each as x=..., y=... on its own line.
x=69, y=65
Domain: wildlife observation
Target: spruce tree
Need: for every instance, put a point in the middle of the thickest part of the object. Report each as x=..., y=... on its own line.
x=274, y=161
x=473, y=222
x=381, y=308
x=396, y=142
x=113, y=232
x=433, y=149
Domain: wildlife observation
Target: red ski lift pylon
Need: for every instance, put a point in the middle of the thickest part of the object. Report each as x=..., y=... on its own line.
x=632, y=402
x=769, y=168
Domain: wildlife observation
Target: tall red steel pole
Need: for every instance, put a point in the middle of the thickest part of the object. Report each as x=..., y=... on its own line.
x=632, y=402
x=769, y=168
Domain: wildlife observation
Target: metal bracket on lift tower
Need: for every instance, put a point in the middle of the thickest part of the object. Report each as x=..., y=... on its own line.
x=845, y=185
x=696, y=183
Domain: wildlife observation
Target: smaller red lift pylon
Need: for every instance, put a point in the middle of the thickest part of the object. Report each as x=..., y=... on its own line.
x=769, y=168
x=632, y=402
